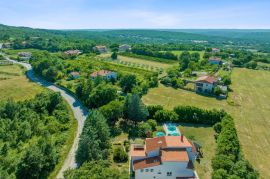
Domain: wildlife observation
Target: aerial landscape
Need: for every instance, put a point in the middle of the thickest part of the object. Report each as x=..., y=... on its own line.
x=114, y=89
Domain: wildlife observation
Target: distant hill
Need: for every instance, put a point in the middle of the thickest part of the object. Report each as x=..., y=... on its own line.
x=249, y=39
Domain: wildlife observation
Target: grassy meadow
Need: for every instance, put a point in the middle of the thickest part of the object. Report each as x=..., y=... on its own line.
x=248, y=104
x=14, y=84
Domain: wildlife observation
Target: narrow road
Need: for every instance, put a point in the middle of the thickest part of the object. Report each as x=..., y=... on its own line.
x=80, y=113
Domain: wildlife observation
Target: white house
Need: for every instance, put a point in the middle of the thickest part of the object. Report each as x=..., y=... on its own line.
x=164, y=158
x=215, y=61
x=124, y=48
x=106, y=74
x=25, y=55
x=100, y=48
x=205, y=84
x=215, y=50
x=72, y=52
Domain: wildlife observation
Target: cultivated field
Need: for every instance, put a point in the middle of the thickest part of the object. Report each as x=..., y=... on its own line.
x=248, y=104
x=14, y=84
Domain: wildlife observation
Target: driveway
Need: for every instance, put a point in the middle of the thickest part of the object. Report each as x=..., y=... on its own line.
x=80, y=113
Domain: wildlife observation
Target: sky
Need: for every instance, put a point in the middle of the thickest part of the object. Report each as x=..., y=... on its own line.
x=136, y=14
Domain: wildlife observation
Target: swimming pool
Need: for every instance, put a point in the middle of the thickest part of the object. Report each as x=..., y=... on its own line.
x=172, y=130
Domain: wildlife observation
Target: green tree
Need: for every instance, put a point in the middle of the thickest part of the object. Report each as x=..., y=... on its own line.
x=184, y=60
x=127, y=82
x=119, y=154
x=114, y=56
x=112, y=111
x=134, y=109
x=102, y=94
x=94, y=142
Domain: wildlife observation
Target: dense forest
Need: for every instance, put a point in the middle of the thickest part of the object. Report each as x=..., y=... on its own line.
x=32, y=135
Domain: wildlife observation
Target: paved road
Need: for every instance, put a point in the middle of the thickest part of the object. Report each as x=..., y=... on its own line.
x=79, y=111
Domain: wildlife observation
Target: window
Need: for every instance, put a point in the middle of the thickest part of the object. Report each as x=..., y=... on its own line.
x=141, y=170
x=147, y=170
x=169, y=173
x=152, y=170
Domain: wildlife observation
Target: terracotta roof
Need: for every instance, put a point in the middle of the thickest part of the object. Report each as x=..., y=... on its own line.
x=72, y=52
x=137, y=151
x=74, y=73
x=207, y=79
x=100, y=73
x=165, y=141
x=174, y=155
x=145, y=163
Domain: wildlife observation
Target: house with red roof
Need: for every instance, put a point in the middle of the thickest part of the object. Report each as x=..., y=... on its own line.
x=205, y=84
x=105, y=74
x=164, y=157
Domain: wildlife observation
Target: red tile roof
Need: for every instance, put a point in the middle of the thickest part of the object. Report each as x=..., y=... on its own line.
x=207, y=79
x=165, y=141
x=174, y=155
x=100, y=73
x=145, y=163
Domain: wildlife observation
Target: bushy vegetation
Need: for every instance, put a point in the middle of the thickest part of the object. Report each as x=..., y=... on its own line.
x=94, y=141
x=229, y=162
x=96, y=170
x=32, y=134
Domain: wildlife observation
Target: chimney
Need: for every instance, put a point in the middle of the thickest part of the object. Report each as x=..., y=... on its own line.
x=182, y=138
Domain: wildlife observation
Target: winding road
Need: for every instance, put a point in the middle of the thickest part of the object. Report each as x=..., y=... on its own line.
x=80, y=113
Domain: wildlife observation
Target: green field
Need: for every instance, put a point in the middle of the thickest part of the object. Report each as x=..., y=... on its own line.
x=205, y=136
x=14, y=84
x=248, y=104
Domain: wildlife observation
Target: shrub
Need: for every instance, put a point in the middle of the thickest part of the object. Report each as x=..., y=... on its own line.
x=119, y=154
x=152, y=123
x=165, y=115
x=152, y=109
x=144, y=129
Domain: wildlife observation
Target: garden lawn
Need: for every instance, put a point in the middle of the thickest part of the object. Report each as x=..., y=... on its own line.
x=204, y=135
x=248, y=104
x=14, y=84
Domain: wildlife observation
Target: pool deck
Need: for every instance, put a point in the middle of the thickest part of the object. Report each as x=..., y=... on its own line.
x=165, y=127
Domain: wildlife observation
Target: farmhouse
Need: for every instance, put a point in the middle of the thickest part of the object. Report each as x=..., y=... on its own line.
x=72, y=52
x=25, y=55
x=205, y=84
x=215, y=50
x=100, y=48
x=74, y=75
x=106, y=74
x=215, y=61
x=164, y=157
x=124, y=48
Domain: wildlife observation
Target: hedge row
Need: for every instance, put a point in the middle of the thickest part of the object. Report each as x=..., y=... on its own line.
x=187, y=114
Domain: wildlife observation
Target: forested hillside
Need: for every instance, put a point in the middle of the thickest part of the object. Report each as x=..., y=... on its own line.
x=33, y=134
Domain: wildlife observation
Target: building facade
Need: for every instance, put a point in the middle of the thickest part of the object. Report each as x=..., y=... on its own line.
x=106, y=74
x=205, y=84
x=164, y=158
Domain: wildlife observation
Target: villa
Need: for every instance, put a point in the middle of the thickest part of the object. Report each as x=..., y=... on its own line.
x=72, y=52
x=164, y=157
x=215, y=50
x=106, y=74
x=74, y=75
x=205, y=84
x=100, y=48
x=124, y=48
x=25, y=55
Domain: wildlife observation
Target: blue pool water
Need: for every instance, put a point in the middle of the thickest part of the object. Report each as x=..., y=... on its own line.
x=159, y=134
x=172, y=130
